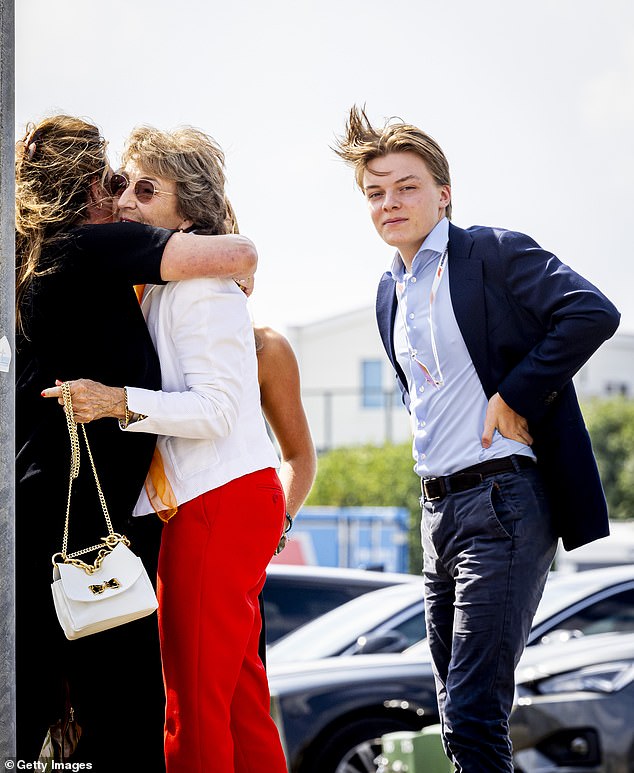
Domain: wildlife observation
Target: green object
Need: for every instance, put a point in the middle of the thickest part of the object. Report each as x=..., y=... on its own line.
x=414, y=752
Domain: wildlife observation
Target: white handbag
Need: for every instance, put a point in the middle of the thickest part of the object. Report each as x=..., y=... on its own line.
x=115, y=588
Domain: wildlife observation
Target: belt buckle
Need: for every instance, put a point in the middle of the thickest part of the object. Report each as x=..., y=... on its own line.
x=434, y=489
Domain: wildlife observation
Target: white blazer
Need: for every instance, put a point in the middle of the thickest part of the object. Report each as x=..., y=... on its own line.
x=208, y=414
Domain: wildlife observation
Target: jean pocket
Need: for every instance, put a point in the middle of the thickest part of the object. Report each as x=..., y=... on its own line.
x=502, y=515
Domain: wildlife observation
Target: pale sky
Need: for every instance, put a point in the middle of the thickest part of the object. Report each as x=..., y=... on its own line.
x=533, y=104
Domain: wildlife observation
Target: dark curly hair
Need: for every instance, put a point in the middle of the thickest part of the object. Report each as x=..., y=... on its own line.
x=56, y=162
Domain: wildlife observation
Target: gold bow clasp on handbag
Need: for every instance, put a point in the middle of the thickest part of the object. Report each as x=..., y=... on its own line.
x=101, y=587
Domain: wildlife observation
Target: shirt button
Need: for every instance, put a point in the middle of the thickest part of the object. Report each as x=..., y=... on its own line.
x=411, y=316
x=413, y=279
x=423, y=456
x=421, y=388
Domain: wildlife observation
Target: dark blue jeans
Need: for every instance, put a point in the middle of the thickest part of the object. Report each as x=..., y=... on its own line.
x=487, y=553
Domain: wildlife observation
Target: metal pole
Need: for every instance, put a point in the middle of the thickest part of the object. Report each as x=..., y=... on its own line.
x=388, y=404
x=7, y=388
x=328, y=436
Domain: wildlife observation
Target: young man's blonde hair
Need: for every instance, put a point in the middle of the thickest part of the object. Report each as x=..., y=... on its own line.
x=362, y=143
x=194, y=161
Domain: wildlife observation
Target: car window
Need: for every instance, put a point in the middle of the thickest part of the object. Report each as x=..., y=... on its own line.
x=412, y=629
x=395, y=635
x=608, y=615
x=340, y=628
x=287, y=606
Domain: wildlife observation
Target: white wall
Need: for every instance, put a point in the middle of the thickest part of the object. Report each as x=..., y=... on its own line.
x=330, y=352
x=610, y=370
x=617, y=548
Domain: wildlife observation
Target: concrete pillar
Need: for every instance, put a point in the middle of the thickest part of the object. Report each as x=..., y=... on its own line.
x=7, y=390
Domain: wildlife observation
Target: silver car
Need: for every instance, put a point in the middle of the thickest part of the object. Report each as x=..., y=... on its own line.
x=393, y=619
x=575, y=707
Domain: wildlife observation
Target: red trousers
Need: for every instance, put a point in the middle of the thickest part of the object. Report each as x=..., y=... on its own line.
x=214, y=554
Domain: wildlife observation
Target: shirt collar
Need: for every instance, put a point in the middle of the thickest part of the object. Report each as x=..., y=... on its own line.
x=435, y=244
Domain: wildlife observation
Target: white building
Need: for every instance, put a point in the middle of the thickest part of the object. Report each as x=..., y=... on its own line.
x=617, y=548
x=610, y=371
x=350, y=392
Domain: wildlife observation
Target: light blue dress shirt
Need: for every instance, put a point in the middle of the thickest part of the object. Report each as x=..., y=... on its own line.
x=447, y=421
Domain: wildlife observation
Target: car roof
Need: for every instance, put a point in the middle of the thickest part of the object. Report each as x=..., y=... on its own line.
x=339, y=574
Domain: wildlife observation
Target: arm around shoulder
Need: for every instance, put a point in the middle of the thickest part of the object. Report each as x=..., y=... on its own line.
x=190, y=255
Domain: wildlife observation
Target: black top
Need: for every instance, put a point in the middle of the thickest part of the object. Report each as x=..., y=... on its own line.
x=83, y=320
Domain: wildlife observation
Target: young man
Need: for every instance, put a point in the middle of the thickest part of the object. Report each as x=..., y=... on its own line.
x=485, y=331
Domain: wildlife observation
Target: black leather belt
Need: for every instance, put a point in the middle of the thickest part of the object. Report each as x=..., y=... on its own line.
x=438, y=488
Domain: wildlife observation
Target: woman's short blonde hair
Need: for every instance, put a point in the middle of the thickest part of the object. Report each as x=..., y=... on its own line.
x=194, y=161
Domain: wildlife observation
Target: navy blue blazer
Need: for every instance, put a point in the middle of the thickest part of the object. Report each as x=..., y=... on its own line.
x=529, y=323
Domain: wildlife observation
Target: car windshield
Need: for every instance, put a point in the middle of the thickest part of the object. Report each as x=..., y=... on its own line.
x=335, y=630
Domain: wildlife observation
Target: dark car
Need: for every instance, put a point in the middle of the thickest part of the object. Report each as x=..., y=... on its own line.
x=294, y=595
x=575, y=707
x=392, y=619
x=332, y=712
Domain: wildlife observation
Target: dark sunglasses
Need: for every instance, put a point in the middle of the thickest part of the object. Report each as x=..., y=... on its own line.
x=144, y=190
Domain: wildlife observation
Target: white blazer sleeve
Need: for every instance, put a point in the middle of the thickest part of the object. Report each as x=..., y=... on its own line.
x=206, y=325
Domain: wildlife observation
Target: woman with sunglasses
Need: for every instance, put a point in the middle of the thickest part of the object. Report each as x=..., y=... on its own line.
x=77, y=315
x=215, y=483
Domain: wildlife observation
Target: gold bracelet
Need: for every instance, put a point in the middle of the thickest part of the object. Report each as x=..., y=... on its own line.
x=130, y=416
x=124, y=424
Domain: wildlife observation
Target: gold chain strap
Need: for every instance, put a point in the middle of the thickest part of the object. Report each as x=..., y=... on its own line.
x=113, y=538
